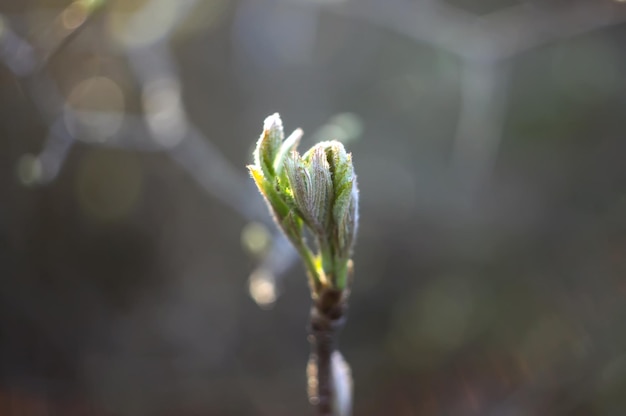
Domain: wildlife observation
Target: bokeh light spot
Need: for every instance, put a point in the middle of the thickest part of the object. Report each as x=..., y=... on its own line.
x=256, y=238
x=344, y=127
x=136, y=23
x=108, y=184
x=164, y=113
x=262, y=288
x=29, y=169
x=205, y=15
x=95, y=109
x=75, y=15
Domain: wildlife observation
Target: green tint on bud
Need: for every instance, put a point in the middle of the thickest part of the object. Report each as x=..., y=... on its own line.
x=319, y=170
x=289, y=145
x=318, y=191
x=312, y=188
x=345, y=207
x=268, y=145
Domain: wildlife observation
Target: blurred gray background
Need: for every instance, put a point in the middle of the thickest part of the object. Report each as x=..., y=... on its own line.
x=140, y=273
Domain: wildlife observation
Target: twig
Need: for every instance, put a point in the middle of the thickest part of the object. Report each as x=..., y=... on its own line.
x=315, y=193
x=328, y=316
x=492, y=37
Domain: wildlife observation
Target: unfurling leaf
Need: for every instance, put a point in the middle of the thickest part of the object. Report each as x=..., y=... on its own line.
x=317, y=190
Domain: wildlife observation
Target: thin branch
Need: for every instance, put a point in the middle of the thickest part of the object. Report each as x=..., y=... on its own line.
x=495, y=36
x=479, y=129
x=151, y=64
x=328, y=317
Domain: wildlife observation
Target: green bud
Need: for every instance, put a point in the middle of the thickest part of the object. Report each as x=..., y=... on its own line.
x=317, y=190
x=312, y=187
x=345, y=207
x=289, y=145
x=319, y=171
x=278, y=206
x=299, y=183
x=268, y=145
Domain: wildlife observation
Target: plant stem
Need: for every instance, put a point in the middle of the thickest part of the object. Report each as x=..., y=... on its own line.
x=326, y=320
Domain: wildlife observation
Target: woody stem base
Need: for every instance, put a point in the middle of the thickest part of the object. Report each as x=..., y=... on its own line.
x=328, y=316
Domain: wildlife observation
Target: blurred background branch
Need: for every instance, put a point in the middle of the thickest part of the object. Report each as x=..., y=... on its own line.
x=495, y=279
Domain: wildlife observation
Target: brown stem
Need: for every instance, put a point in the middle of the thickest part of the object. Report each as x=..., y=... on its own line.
x=327, y=319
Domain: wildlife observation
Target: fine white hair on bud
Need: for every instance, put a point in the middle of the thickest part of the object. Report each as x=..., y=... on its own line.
x=317, y=190
x=273, y=127
x=301, y=184
x=268, y=144
x=346, y=197
x=319, y=171
x=289, y=145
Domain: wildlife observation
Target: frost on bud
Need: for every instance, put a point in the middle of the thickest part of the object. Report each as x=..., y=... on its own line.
x=317, y=190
